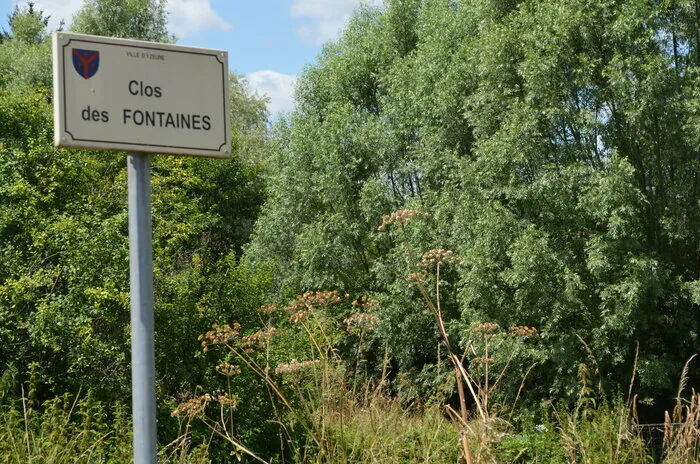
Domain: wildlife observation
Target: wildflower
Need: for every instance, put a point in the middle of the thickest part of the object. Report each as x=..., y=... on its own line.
x=438, y=256
x=418, y=276
x=541, y=428
x=485, y=327
x=310, y=300
x=524, y=331
x=361, y=321
x=228, y=369
x=302, y=305
x=366, y=303
x=250, y=343
x=193, y=407
x=401, y=217
x=228, y=400
x=299, y=316
x=294, y=366
x=219, y=335
x=269, y=309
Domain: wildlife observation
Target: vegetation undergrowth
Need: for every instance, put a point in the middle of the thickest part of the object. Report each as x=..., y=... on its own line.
x=553, y=290
x=329, y=409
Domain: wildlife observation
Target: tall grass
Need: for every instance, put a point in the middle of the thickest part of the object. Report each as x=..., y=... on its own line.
x=63, y=430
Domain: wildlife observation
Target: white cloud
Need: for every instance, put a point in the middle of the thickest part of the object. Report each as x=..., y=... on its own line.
x=323, y=19
x=188, y=17
x=279, y=87
x=57, y=9
x=185, y=18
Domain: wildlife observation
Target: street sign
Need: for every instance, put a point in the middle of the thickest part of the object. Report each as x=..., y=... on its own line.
x=140, y=97
x=130, y=95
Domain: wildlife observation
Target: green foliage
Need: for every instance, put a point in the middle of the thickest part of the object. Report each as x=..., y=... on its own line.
x=534, y=443
x=25, y=51
x=64, y=254
x=65, y=430
x=27, y=24
x=555, y=145
x=130, y=19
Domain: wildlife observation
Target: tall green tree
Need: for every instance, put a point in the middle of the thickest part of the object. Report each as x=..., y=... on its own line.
x=131, y=19
x=554, y=144
x=25, y=50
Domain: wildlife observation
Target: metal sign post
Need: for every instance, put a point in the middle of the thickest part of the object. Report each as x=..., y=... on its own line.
x=142, y=330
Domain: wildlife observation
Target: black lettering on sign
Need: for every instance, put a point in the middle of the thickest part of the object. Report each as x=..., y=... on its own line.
x=95, y=115
x=184, y=121
x=163, y=119
x=139, y=89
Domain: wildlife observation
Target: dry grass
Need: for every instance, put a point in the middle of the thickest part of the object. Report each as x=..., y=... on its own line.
x=682, y=430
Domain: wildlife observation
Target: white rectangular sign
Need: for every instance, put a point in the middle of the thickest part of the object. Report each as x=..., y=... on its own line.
x=129, y=95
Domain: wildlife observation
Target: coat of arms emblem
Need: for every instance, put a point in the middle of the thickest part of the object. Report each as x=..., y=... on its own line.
x=86, y=62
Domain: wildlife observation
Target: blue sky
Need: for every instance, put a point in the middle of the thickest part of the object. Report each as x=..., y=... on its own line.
x=269, y=41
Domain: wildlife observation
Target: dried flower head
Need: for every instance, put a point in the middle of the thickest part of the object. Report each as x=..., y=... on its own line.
x=402, y=216
x=419, y=276
x=258, y=340
x=361, y=321
x=310, y=300
x=366, y=303
x=219, y=335
x=438, y=256
x=269, y=309
x=300, y=316
x=228, y=369
x=193, y=407
x=524, y=331
x=485, y=327
x=226, y=399
x=294, y=366
x=302, y=305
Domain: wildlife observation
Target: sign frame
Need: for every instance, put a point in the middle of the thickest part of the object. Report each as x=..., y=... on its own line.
x=66, y=136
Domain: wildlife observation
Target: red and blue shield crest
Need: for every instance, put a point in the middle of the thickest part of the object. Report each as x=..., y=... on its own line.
x=86, y=62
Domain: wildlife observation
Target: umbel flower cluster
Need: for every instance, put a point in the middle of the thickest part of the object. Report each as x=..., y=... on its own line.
x=366, y=303
x=219, y=335
x=228, y=369
x=438, y=256
x=485, y=327
x=195, y=406
x=361, y=322
x=517, y=330
x=301, y=306
x=524, y=331
x=401, y=216
x=257, y=340
x=294, y=366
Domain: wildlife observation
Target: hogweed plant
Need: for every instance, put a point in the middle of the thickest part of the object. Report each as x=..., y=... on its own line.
x=475, y=374
x=311, y=389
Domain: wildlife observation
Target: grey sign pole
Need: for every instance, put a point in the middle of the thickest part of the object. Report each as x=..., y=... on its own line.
x=142, y=338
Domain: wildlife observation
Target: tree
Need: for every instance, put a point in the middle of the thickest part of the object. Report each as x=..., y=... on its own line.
x=131, y=19
x=554, y=145
x=25, y=51
x=64, y=280
x=27, y=24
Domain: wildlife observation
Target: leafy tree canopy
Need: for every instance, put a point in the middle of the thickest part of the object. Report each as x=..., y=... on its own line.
x=131, y=19
x=555, y=145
